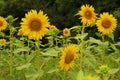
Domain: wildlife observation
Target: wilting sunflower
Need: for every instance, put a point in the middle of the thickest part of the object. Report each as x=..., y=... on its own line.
x=3, y=23
x=88, y=16
x=68, y=55
x=66, y=32
x=106, y=23
x=35, y=24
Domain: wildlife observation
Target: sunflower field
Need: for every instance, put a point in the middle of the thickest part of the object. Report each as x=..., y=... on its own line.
x=35, y=46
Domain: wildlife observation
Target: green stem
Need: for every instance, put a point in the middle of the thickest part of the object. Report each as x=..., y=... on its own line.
x=81, y=47
x=105, y=77
x=65, y=41
x=103, y=52
x=102, y=57
x=103, y=38
x=81, y=58
x=28, y=42
x=83, y=28
x=38, y=57
x=11, y=54
x=11, y=62
x=0, y=52
x=64, y=74
x=56, y=43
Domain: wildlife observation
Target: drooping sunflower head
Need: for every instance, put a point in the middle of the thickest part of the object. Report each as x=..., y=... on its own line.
x=3, y=23
x=35, y=24
x=68, y=55
x=88, y=16
x=66, y=32
x=106, y=23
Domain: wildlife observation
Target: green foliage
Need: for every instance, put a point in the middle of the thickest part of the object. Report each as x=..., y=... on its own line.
x=25, y=59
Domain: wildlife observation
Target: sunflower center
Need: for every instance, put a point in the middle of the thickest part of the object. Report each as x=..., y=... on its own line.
x=66, y=32
x=88, y=14
x=106, y=23
x=68, y=58
x=1, y=23
x=35, y=25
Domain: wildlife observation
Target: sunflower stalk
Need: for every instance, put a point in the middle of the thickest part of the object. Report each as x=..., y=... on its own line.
x=82, y=32
x=38, y=57
x=81, y=47
x=56, y=40
x=103, y=38
x=102, y=54
x=28, y=44
x=64, y=75
x=11, y=52
x=65, y=41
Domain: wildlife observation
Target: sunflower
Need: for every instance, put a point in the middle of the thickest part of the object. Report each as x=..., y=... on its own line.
x=52, y=27
x=88, y=16
x=3, y=23
x=66, y=32
x=68, y=55
x=20, y=32
x=3, y=42
x=106, y=23
x=35, y=24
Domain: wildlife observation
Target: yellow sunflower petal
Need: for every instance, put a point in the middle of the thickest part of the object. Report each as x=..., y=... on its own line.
x=52, y=27
x=3, y=42
x=68, y=56
x=88, y=16
x=66, y=32
x=106, y=23
x=20, y=32
x=34, y=25
x=3, y=23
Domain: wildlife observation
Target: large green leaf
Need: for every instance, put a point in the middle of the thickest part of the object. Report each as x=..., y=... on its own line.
x=53, y=70
x=80, y=75
x=33, y=75
x=50, y=52
x=23, y=66
x=18, y=50
x=113, y=71
x=79, y=36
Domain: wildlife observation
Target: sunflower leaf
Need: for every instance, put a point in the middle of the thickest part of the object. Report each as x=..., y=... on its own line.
x=23, y=66
x=50, y=52
x=80, y=75
x=18, y=50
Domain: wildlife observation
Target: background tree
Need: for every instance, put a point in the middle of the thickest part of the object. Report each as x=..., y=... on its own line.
x=61, y=12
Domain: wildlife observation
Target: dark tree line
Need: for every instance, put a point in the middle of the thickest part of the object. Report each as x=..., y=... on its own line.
x=61, y=12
